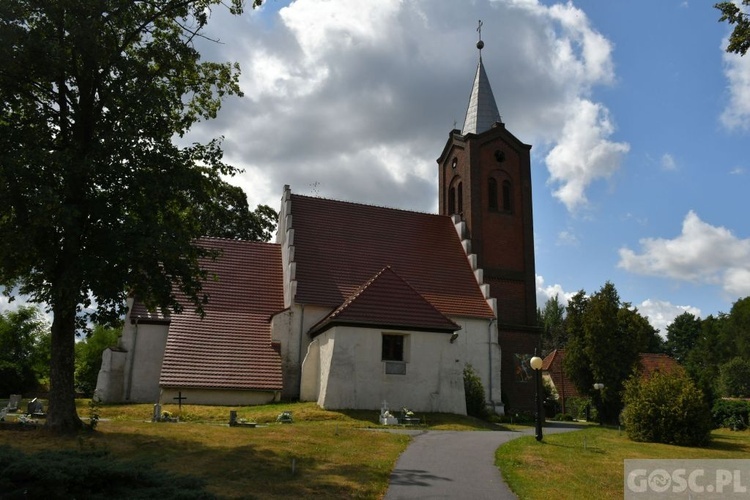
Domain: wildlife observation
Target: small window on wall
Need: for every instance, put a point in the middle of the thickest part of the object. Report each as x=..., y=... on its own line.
x=393, y=354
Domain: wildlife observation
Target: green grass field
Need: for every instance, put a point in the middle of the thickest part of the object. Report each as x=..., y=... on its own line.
x=588, y=464
x=340, y=454
x=324, y=454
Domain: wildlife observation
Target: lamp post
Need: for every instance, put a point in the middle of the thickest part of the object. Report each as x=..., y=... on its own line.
x=599, y=386
x=536, y=365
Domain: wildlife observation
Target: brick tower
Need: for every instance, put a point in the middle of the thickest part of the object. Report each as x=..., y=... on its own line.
x=485, y=179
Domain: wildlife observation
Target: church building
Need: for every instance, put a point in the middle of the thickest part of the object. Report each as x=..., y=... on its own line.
x=354, y=304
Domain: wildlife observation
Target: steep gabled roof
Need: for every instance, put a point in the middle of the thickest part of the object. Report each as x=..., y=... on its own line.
x=230, y=347
x=339, y=246
x=387, y=301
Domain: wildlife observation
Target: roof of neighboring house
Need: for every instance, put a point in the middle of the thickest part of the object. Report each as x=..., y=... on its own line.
x=230, y=347
x=387, y=301
x=553, y=365
x=339, y=246
x=650, y=363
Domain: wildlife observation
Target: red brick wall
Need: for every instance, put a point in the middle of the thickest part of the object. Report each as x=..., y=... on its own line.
x=518, y=393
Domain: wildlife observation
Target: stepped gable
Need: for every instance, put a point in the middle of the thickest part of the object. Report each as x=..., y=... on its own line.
x=230, y=347
x=340, y=245
x=387, y=301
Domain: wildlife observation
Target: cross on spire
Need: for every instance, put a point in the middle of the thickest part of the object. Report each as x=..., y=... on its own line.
x=480, y=43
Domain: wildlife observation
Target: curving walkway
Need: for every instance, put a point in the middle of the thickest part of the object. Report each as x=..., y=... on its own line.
x=455, y=465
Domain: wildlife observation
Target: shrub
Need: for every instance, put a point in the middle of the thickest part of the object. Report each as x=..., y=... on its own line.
x=576, y=408
x=476, y=405
x=731, y=414
x=666, y=408
x=563, y=417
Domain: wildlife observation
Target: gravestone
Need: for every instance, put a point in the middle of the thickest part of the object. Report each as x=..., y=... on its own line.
x=35, y=408
x=15, y=400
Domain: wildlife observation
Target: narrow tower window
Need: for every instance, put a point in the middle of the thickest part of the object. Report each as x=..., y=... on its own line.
x=492, y=191
x=460, y=202
x=507, y=197
x=452, y=201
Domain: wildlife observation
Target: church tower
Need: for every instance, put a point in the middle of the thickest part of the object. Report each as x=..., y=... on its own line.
x=485, y=181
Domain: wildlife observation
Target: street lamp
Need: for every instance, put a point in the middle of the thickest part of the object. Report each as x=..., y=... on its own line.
x=536, y=365
x=599, y=386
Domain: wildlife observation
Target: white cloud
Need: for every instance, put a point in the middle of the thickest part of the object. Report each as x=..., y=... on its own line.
x=583, y=153
x=668, y=162
x=701, y=254
x=360, y=96
x=736, y=114
x=737, y=171
x=546, y=292
x=662, y=313
x=567, y=238
x=659, y=313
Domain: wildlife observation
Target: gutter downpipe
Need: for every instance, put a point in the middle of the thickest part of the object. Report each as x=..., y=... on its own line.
x=489, y=352
x=132, y=361
x=299, y=354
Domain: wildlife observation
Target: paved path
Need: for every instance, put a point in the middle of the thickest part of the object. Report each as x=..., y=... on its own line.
x=454, y=465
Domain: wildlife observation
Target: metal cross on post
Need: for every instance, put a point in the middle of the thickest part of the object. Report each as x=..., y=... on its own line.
x=179, y=399
x=480, y=43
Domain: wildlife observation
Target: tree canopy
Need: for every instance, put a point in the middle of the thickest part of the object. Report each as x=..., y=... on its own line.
x=24, y=350
x=605, y=337
x=99, y=200
x=739, y=40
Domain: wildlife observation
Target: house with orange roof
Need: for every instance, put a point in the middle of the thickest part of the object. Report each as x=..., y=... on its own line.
x=554, y=373
x=354, y=304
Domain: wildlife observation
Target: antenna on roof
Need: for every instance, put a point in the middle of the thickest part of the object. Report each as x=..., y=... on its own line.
x=480, y=43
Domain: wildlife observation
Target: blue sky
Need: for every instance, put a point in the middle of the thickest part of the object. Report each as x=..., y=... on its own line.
x=639, y=123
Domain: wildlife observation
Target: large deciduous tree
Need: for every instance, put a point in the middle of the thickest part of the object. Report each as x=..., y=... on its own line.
x=98, y=199
x=605, y=337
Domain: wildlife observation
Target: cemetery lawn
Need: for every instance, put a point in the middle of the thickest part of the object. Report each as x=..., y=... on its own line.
x=324, y=454
x=588, y=464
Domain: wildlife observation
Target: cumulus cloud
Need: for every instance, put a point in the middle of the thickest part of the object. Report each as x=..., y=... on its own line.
x=583, y=153
x=662, y=313
x=736, y=114
x=702, y=254
x=358, y=97
x=546, y=292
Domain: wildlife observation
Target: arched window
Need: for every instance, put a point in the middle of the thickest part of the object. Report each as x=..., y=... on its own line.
x=492, y=193
x=452, y=201
x=507, y=197
x=460, y=204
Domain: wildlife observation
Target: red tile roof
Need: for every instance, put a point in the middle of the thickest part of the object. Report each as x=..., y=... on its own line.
x=230, y=348
x=553, y=365
x=650, y=363
x=339, y=246
x=387, y=301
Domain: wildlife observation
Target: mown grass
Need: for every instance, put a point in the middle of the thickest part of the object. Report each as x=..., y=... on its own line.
x=588, y=464
x=324, y=454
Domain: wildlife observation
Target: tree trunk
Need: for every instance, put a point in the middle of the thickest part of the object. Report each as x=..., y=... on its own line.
x=62, y=417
